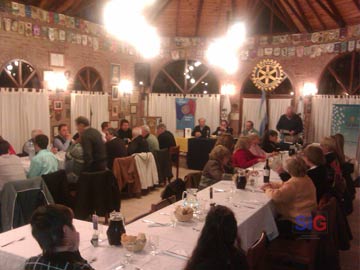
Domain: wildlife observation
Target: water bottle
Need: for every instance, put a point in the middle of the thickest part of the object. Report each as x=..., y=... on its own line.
x=31, y=150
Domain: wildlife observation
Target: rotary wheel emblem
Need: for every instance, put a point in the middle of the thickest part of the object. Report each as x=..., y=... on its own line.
x=267, y=75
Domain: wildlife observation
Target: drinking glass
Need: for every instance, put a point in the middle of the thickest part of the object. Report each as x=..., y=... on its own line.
x=231, y=193
x=173, y=219
x=154, y=244
x=252, y=182
x=129, y=253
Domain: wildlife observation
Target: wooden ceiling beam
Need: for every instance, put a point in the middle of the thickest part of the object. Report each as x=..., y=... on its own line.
x=255, y=15
x=340, y=22
x=158, y=10
x=66, y=5
x=198, y=16
x=284, y=17
x=302, y=14
x=336, y=12
x=317, y=16
x=83, y=5
x=298, y=17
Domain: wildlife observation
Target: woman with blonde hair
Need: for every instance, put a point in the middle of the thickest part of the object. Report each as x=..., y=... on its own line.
x=255, y=148
x=214, y=168
x=242, y=157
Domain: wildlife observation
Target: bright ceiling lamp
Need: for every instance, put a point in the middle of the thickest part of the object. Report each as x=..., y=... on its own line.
x=223, y=52
x=309, y=89
x=124, y=20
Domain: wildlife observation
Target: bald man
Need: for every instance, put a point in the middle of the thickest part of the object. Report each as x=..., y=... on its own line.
x=290, y=124
x=201, y=130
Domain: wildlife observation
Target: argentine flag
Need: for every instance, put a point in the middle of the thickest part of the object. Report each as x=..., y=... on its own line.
x=262, y=114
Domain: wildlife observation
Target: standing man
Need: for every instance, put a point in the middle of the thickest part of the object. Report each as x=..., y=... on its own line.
x=290, y=125
x=166, y=138
x=249, y=129
x=44, y=162
x=63, y=139
x=201, y=130
x=115, y=147
x=125, y=132
x=150, y=138
x=92, y=144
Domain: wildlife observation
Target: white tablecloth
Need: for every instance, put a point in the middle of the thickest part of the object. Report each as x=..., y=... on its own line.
x=60, y=156
x=255, y=215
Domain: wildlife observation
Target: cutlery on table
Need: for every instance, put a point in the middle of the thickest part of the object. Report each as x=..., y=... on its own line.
x=14, y=241
x=164, y=214
x=153, y=222
x=176, y=255
x=243, y=206
x=219, y=190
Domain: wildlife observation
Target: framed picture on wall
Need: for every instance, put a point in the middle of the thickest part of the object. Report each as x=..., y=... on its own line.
x=115, y=110
x=115, y=73
x=115, y=92
x=114, y=124
x=57, y=60
x=133, y=109
x=58, y=105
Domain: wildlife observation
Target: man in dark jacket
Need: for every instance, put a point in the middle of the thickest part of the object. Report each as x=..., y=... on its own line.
x=138, y=144
x=92, y=144
x=115, y=147
x=290, y=124
x=124, y=131
x=166, y=138
x=201, y=130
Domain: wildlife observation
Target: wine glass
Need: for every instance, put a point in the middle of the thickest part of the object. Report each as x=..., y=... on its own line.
x=252, y=182
x=154, y=244
x=129, y=252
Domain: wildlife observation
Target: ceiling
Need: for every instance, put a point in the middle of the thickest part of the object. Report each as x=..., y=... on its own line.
x=208, y=18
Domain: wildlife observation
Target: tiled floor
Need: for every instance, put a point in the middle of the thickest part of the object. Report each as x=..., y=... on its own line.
x=350, y=260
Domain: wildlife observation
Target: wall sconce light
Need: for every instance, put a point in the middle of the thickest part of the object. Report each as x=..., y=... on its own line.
x=55, y=81
x=228, y=89
x=309, y=89
x=126, y=87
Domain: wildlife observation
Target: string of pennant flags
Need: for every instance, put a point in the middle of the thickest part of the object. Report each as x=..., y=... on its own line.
x=55, y=27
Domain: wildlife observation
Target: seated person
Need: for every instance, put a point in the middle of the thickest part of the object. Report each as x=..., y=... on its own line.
x=104, y=127
x=27, y=146
x=166, y=138
x=201, y=130
x=124, y=131
x=150, y=138
x=270, y=142
x=11, y=148
x=217, y=246
x=223, y=128
x=63, y=140
x=44, y=162
x=317, y=170
x=226, y=140
x=52, y=227
x=293, y=198
x=214, y=168
x=242, y=157
x=249, y=129
x=10, y=165
x=255, y=148
x=115, y=147
x=138, y=143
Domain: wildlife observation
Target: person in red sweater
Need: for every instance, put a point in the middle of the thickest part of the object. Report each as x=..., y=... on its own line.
x=242, y=157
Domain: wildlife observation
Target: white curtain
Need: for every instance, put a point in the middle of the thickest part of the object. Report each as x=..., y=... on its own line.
x=250, y=112
x=22, y=111
x=94, y=106
x=277, y=107
x=163, y=105
x=321, y=114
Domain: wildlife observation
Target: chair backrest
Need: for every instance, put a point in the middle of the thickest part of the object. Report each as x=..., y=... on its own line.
x=163, y=203
x=174, y=150
x=58, y=186
x=257, y=253
x=97, y=192
x=192, y=180
x=174, y=188
x=163, y=164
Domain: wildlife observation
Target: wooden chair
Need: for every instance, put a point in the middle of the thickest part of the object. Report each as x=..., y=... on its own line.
x=174, y=153
x=192, y=180
x=257, y=253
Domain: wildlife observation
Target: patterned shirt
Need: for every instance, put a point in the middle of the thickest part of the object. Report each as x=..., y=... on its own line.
x=58, y=261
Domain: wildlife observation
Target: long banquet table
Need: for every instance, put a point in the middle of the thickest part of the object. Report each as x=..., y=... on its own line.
x=60, y=156
x=253, y=210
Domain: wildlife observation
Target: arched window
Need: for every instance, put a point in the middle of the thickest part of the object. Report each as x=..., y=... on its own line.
x=186, y=76
x=284, y=88
x=19, y=74
x=342, y=75
x=88, y=79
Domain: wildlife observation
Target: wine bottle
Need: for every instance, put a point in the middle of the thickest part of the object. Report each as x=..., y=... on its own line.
x=267, y=172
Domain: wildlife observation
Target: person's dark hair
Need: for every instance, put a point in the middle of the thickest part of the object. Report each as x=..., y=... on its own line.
x=226, y=140
x=251, y=123
x=315, y=155
x=268, y=133
x=4, y=146
x=47, y=224
x=61, y=126
x=42, y=141
x=123, y=121
x=104, y=125
x=82, y=120
x=112, y=131
x=217, y=238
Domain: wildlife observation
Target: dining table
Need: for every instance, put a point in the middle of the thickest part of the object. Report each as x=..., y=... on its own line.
x=254, y=211
x=60, y=156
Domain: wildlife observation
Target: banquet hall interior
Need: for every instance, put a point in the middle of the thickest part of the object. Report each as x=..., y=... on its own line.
x=179, y=134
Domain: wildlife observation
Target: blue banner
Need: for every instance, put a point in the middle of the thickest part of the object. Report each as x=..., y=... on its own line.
x=185, y=113
x=346, y=120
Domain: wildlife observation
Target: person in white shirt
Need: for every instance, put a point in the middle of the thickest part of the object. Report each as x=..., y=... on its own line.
x=104, y=127
x=10, y=165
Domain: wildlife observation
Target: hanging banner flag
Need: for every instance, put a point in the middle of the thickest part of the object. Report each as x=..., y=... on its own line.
x=185, y=113
x=346, y=120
